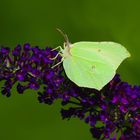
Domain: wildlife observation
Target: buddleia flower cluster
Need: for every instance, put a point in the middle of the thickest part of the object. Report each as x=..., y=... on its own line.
x=112, y=113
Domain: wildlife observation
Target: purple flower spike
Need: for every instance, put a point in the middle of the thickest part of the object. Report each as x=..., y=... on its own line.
x=112, y=110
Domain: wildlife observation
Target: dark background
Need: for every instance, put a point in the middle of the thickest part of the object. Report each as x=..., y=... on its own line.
x=22, y=21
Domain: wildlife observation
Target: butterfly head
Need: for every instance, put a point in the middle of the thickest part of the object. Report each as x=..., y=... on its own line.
x=67, y=44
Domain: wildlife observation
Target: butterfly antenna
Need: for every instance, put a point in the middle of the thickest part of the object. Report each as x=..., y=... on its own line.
x=64, y=35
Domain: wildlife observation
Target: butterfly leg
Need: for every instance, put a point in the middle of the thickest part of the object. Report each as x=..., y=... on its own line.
x=59, y=47
x=58, y=63
x=59, y=53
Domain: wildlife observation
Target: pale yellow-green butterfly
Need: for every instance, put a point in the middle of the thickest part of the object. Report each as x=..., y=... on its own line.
x=91, y=64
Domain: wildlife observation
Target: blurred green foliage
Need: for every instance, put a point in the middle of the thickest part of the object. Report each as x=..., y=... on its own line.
x=21, y=21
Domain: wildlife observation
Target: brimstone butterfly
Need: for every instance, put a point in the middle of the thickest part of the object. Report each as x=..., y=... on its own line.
x=91, y=64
